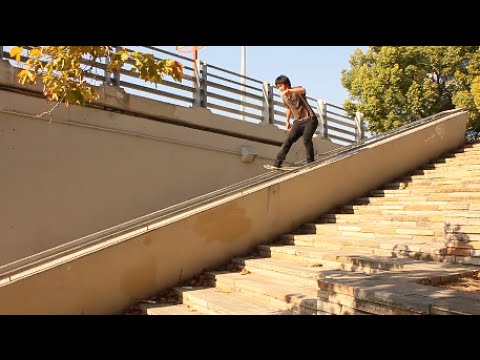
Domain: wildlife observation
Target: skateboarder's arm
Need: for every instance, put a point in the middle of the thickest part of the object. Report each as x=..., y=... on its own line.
x=297, y=90
x=288, y=114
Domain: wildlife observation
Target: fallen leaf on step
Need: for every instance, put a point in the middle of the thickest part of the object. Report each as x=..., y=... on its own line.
x=148, y=301
x=244, y=272
x=223, y=291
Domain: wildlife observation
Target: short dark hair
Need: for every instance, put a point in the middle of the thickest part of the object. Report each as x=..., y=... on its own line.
x=282, y=79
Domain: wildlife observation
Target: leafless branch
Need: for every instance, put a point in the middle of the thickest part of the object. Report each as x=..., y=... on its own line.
x=49, y=112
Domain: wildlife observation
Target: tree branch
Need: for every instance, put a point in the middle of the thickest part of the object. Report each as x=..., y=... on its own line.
x=49, y=112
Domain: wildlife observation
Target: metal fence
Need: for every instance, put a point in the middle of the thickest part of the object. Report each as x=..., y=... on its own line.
x=222, y=91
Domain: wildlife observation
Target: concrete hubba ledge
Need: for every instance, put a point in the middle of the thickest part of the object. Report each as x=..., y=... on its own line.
x=160, y=252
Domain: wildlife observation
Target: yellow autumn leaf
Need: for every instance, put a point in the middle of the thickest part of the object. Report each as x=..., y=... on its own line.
x=124, y=55
x=22, y=76
x=16, y=52
x=22, y=73
x=31, y=76
x=36, y=52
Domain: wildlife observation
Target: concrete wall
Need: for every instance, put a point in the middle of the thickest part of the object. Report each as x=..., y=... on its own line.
x=86, y=169
x=106, y=277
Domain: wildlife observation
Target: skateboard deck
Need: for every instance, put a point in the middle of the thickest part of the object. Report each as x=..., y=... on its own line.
x=283, y=168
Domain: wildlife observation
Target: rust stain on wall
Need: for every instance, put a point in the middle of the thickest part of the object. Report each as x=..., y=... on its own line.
x=139, y=278
x=271, y=194
x=226, y=223
x=147, y=241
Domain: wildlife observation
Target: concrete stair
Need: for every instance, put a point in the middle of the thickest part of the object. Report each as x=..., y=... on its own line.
x=221, y=300
x=372, y=256
x=168, y=309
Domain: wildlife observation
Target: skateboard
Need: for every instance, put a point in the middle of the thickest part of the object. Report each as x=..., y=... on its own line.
x=283, y=168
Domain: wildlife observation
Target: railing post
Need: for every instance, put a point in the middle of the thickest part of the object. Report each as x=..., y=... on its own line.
x=243, y=80
x=109, y=80
x=268, y=109
x=1, y=53
x=108, y=74
x=359, y=121
x=116, y=75
x=197, y=97
x=322, y=112
x=203, y=86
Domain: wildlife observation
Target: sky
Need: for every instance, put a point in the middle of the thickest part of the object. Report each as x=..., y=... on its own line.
x=316, y=68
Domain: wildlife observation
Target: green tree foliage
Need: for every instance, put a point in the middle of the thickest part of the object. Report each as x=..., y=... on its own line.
x=395, y=85
x=63, y=69
x=474, y=72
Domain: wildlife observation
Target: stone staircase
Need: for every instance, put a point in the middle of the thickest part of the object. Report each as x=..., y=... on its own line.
x=373, y=256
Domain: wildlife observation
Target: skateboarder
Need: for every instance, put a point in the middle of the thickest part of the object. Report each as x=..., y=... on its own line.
x=305, y=121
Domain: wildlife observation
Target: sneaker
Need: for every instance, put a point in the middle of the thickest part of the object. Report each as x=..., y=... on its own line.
x=277, y=164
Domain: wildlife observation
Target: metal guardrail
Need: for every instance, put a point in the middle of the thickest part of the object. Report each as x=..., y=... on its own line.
x=214, y=196
x=222, y=91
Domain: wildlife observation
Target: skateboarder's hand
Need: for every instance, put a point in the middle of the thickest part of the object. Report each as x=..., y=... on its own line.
x=288, y=125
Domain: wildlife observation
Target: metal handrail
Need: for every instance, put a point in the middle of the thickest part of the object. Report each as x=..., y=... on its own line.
x=187, y=93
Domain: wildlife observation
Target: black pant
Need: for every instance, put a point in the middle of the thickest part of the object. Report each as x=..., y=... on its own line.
x=300, y=127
